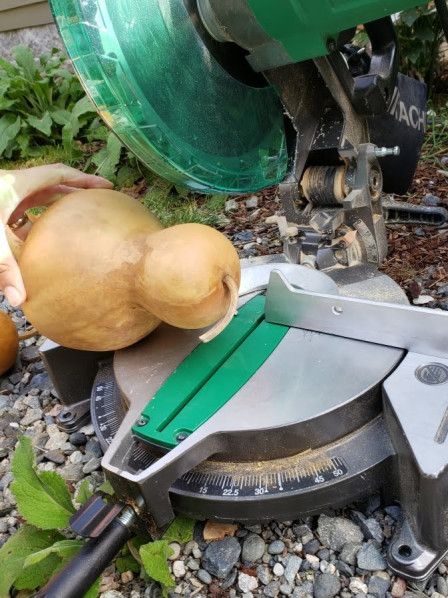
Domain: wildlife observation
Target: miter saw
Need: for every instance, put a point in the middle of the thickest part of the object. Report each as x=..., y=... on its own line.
x=327, y=385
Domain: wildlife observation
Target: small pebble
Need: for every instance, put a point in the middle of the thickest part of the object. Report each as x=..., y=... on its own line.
x=276, y=547
x=179, y=569
x=278, y=569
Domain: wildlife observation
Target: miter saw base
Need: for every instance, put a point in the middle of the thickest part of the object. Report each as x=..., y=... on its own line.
x=322, y=420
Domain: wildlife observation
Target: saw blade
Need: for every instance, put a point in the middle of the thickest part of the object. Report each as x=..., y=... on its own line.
x=149, y=70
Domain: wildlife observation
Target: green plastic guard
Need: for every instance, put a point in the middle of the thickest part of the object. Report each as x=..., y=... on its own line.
x=209, y=377
x=152, y=79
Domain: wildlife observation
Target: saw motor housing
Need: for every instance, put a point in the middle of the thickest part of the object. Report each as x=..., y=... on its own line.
x=236, y=96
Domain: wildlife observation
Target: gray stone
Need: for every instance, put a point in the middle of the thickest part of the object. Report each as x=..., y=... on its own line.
x=231, y=205
x=369, y=527
x=276, y=547
x=324, y=554
x=264, y=575
x=326, y=585
x=292, y=567
x=349, y=552
x=311, y=547
x=30, y=354
x=41, y=381
x=378, y=586
x=204, y=576
x=255, y=529
x=31, y=416
x=394, y=511
x=112, y=594
x=335, y=532
x=55, y=456
x=92, y=465
x=77, y=439
x=247, y=583
x=220, y=557
x=253, y=548
x=370, y=558
x=192, y=564
x=272, y=589
x=93, y=447
x=278, y=569
x=430, y=200
x=442, y=585
x=344, y=568
x=72, y=472
x=304, y=589
x=229, y=580
x=179, y=569
x=286, y=589
x=252, y=203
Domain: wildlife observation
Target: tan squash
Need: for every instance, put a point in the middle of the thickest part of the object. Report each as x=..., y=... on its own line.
x=9, y=343
x=191, y=277
x=101, y=273
x=79, y=264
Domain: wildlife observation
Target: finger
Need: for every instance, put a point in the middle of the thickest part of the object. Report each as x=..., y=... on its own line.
x=44, y=197
x=11, y=282
x=38, y=178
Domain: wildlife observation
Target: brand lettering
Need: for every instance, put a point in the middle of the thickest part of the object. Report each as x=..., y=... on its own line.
x=410, y=115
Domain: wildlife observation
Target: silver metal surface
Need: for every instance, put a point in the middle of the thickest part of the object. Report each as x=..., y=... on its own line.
x=301, y=399
x=412, y=328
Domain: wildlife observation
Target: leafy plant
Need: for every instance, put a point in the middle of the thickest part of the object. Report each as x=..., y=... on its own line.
x=420, y=35
x=42, y=103
x=39, y=549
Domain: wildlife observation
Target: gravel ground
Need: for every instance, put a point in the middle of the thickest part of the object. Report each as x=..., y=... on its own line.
x=335, y=554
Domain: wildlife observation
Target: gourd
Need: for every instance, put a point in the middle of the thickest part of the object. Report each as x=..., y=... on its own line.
x=9, y=343
x=78, y=265
x=100, y=273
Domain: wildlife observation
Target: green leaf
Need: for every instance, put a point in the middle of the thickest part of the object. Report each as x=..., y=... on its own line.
x=94, y=590
x=37, y=575
x=61, y=117
x=9, y=128
x=42, y=124
x=155, y=562
x=106, y=488
x=410, y=16
x=127, y=563
x=65, y=549
x=42, y=498
x=127, y=176
x=25, y=59
x=6, y=104
x=83, y=106
x=108, y=158
x=181, y=530
x=84, y=492
x=14, y=552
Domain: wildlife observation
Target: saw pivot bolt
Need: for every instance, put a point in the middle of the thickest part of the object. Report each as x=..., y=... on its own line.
x=181, y=436
x=383, y=152
x=142, y=421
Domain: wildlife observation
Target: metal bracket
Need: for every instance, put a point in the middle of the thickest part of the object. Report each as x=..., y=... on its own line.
x=415, y=405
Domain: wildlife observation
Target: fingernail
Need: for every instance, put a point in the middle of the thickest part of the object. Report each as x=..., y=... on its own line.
x=13, y=296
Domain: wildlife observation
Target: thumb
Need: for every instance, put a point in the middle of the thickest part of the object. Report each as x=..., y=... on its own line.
x=11, y=282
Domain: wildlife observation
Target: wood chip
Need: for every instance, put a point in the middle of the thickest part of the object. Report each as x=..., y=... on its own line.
x=218, y=531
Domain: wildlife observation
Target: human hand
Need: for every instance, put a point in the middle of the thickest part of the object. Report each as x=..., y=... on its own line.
x=24, y=189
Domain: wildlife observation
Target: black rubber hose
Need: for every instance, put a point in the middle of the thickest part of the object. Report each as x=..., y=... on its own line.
x=83, y=570
x=442, y=9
